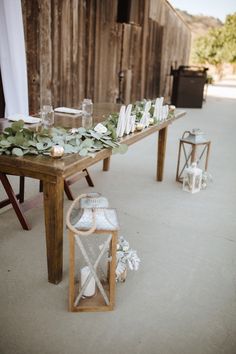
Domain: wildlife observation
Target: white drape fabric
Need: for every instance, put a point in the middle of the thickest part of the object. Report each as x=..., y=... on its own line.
x=13, y=58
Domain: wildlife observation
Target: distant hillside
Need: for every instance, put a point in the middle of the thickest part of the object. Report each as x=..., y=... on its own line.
x=199, y=24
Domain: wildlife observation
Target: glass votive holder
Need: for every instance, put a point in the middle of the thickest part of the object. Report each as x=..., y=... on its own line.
x=87, y=106
x=47, y=116
x=87, y=121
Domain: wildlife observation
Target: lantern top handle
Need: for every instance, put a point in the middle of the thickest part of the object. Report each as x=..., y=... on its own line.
x=186, y=132
x=195, y=131
x=71, y=227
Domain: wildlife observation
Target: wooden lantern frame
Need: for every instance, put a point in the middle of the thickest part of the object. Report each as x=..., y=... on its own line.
x=191, y=157
x=104, y=300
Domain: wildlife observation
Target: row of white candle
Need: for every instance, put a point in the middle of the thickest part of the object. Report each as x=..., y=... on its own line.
x=126, y=121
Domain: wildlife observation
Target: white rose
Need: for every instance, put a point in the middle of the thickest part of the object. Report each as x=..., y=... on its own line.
x=73, y=130
x=151, y=121
x=100, y=128
x=126, y=248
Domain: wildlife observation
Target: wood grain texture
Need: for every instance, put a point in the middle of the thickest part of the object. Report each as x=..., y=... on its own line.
x=71, y=270
x=53, y=212
x=31, y=16
x=77, y=49
x=162, y=140
x=96, y=302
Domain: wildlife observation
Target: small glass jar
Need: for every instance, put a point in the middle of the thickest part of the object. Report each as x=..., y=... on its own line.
x=87, y=106
x=87, y=121
x=47, y=116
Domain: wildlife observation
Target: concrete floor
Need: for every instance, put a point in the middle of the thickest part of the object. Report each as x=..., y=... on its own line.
x=183, y=298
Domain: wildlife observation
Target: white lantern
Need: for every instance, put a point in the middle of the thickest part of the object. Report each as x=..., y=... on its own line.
x=192, y=179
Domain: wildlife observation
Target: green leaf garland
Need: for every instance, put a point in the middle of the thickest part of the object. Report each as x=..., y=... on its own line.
x=17, y=140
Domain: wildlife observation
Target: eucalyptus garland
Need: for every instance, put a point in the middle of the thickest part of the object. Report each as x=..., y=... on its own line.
x=18, y=140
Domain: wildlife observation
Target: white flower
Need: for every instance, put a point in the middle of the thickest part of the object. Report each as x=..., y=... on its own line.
x=121, y=267
x=100, y=128
x=125, y=248
x=73, y=130
x=125, y=257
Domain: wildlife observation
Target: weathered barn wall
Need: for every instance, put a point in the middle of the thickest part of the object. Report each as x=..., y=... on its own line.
x=85, y=48
x=176, y=41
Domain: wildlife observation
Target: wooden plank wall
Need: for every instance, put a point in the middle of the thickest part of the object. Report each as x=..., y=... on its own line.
x=107, y=47
x=176, y=42
x=130, y=62
x=153, y=59
x=77, y=49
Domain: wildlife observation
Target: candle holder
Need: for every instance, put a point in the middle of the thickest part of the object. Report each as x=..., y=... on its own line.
x=139, y=127
x=93, y=227
x=57, y=151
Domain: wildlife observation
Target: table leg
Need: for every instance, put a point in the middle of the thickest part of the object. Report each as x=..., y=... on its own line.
x=106, y=164
x=53, y=213
x=207, y=155
x=162, y=139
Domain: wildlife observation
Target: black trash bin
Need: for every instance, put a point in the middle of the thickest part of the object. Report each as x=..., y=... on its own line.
x=188, y=86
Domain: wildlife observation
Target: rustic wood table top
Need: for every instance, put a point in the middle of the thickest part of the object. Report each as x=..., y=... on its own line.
x=53, y=172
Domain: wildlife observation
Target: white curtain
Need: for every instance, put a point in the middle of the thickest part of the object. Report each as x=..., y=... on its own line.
x=13, y=58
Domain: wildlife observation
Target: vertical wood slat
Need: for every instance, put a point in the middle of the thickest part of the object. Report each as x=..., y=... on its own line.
x=130, y=64
x=45, y=48
x=31, y=31
x=106, y=46
x=135, y=62
x=66, y=53
x=144, y=46
x=97, y=56
x=56, y=57
x=90, y=48
x=74, y=51
x=81, y=80
x=154, y=52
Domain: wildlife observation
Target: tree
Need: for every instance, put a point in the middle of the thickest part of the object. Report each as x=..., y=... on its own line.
x=229, y=50
x=208, y=49
x=218, y=46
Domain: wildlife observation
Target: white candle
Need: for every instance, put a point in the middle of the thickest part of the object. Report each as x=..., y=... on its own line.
x=91, y=287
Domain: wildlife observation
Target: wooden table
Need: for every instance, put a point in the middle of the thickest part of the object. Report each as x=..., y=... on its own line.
x=53, y=172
